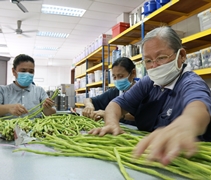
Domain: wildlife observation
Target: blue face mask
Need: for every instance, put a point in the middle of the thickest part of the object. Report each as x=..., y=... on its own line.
x=24, y=78
x=122, y=84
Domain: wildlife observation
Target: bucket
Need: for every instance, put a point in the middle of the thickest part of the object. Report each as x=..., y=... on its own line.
x=98, y=75
x=158, y=5
x=163, y=2
x=146, y=12
x=152, y=6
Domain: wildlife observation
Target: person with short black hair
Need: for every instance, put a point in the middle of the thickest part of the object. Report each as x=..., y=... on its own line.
x=20, y=96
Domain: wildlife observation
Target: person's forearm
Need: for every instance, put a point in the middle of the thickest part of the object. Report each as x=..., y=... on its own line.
x=113, y=113
x=49, y=111
x=129, y=117
x=4, y=109
x=88, y=103
x=196, y=117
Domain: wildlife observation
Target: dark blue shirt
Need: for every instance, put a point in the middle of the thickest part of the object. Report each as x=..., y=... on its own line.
x=190, y=87
x=101, y=101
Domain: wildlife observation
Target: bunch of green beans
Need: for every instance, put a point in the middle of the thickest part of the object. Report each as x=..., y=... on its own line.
x=33, y=112
x=118, y=149
x=67, y=124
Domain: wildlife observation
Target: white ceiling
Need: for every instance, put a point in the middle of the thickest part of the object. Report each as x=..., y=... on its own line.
x=100, y=17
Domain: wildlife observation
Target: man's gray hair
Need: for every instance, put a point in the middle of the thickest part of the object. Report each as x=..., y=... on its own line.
x=166, y=34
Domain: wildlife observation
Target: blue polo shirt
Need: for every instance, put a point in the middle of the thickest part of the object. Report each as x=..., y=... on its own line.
x=101, y=101
x=188, y=88
x=28, y=97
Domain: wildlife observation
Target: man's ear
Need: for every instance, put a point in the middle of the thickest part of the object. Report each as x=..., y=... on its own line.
x=14, y=72
x=134, y=71
x=183, y=55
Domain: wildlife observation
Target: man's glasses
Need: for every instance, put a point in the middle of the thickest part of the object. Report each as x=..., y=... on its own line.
x=162, y=59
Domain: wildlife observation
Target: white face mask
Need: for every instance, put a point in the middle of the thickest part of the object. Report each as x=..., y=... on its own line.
x=164, y=74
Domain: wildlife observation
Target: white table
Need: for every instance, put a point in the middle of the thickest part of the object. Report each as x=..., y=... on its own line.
x=29, y=166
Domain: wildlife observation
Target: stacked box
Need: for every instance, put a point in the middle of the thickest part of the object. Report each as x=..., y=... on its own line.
x=206, y=57
x=194, y=60
x=118, y=28
x=205, y=19
x=77, y=71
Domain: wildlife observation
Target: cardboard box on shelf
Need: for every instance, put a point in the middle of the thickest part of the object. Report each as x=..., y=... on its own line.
x=194, y=60
x=83, y=68
x=205, y=19
x=77, y=71
x=103, y=39
x=206, y=57
x=118, y=28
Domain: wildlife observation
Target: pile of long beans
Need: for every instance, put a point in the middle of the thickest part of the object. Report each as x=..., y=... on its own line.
x=66, y=124
x=118, y=149
x=33, y=112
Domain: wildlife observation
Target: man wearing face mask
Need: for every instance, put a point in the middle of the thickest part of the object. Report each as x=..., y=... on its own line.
x=20, y=96
x=123, y=72
x=172, y=102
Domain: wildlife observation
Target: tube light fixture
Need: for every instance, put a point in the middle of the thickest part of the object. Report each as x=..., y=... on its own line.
x=52, y=34
x=62, y=10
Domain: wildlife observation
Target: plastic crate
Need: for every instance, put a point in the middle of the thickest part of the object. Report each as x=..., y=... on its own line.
x=120, y=27
x=194, y=60
x=206, y=57
x=205, y=19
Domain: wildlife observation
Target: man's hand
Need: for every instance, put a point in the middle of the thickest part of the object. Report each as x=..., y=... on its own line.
x=48, y=103
x=113, y=129
x=87, y=111
x=165, y=144
x=97, y=115
x=17, y=109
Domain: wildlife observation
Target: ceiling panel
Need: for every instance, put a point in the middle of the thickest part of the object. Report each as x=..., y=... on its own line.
x=99, y=18
x=131, y=4
x=110, y=8
x=100, y=15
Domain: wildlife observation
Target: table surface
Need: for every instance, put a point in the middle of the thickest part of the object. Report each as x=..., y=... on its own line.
x=29, y=166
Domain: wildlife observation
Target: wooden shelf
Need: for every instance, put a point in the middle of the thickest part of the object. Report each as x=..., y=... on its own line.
x=97, y=67
x=94, y=84
x=79, y=104
x=136, y=57
x=170, y=14
x=202, y=72
x=80, y=90
x=197, y=41
x=97, y=54
x=111, y=85
x=80, y=76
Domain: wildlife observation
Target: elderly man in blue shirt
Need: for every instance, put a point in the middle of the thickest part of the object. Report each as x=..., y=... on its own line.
x=20, y=96
x=172, y=102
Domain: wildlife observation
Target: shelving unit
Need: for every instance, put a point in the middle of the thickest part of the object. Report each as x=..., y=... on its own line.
x=97, y=67
x=170, y=14
x=79, y=104
x=99, y=55
x=80, y=76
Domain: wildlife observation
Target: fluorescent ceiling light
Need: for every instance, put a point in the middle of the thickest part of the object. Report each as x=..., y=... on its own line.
x=46, y=48
x=61, y=10
x=52, y=34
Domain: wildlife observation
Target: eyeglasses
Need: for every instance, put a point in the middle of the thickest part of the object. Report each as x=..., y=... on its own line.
x=162, y=59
